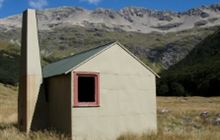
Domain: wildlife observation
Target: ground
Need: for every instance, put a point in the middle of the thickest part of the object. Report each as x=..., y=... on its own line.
x=179, y=118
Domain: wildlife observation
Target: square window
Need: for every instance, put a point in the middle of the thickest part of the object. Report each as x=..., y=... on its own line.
x=86, y=89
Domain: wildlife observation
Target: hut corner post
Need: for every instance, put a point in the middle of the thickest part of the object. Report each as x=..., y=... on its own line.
x=30, y=71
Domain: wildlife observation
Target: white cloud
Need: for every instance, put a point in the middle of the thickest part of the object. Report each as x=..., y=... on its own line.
x=1, y=3
x=38, y=4
x=92, y=1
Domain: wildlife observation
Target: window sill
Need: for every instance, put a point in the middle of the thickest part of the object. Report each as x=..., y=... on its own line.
x=86, y=105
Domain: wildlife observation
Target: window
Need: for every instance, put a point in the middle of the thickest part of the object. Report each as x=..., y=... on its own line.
x=86, y=89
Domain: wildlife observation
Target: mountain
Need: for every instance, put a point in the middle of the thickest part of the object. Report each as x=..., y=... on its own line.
x=198, y=74
x=63, y=32
x=132, y=19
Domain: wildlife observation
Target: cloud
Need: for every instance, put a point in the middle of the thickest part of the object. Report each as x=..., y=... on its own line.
x=38, y=4
x=92, y=1
x=1, y=3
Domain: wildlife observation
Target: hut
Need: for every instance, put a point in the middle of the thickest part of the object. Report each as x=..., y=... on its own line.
x=100, y=93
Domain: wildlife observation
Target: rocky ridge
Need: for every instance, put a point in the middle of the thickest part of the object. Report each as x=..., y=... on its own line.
x=133, y=19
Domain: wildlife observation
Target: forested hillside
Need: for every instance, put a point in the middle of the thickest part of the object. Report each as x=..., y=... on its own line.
x=198, y=74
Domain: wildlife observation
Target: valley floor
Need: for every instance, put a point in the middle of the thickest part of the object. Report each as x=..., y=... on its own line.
x=179, y=118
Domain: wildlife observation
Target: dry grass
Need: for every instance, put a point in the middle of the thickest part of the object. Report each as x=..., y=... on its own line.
x=178, y=119
x=8, y=104
x=8, y=119
x=10, y=132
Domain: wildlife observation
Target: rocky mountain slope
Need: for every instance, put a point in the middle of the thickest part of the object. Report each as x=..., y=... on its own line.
x=128, y=19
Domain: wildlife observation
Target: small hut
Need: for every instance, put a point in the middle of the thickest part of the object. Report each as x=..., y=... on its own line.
x=100, y=93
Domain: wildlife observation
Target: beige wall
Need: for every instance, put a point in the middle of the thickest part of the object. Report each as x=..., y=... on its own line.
x=59, y=90
x=127, y=98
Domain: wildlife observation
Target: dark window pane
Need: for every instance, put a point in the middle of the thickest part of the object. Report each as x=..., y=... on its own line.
x=86, y=89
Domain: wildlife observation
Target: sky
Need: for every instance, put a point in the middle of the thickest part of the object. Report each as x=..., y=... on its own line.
x=12, y=7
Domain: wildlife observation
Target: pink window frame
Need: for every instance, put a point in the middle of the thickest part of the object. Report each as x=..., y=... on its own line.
x=76, y=103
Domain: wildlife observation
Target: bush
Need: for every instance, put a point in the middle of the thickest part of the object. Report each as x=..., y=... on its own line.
x=163, y=90
x=177, y=89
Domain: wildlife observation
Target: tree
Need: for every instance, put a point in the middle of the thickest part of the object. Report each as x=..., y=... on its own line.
x=177, y=89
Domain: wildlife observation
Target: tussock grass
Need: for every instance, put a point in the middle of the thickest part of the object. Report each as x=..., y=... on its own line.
x=8, y=119
x=205, y=135
x=180, y=121
x=8, y=104
x=210, y=133
x=10, y=132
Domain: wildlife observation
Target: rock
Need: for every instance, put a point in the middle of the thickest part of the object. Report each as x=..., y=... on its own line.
x=134, y=11
x=193, y=12
x=204, y=15
x=167, y=26
x=164, y=110
x=204, y=115
x=216, y=121
x=200, y=23
x=212, y=20
x=197, y=12
x=215, y=7
x=105, y=12
x=162, y=16
x=171, y=54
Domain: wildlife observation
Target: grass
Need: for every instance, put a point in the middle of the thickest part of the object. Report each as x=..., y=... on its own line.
x=8, y=119
x=178, y=119
x=8, y=104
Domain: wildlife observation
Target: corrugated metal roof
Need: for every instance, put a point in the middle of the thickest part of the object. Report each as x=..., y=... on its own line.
x=70, y=62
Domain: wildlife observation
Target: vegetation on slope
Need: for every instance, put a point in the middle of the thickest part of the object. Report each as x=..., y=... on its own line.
x=9, y=60
x=153, y=47
x=156, y=50
x=198, y=74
